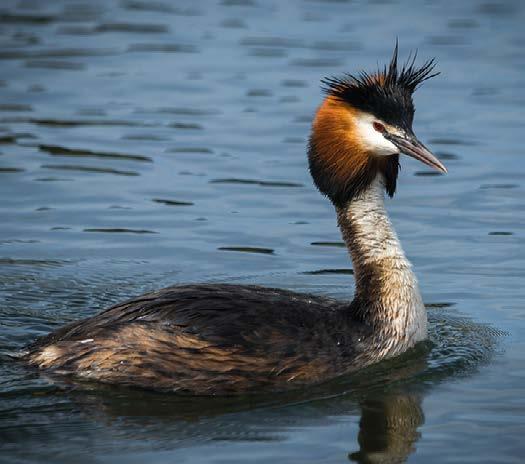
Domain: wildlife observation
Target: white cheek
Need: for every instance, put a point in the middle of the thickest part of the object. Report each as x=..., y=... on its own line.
x=373, y=140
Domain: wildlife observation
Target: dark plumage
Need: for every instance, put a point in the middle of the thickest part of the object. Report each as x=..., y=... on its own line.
x=386, y=94
x=211, y=339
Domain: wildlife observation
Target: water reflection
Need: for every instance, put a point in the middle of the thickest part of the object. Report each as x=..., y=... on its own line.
x=388, y=424
x=388, y=428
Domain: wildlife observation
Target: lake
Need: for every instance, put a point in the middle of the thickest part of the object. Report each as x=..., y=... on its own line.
x=147, y=143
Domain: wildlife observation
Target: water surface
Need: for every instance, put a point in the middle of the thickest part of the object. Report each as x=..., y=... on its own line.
x=149, y=143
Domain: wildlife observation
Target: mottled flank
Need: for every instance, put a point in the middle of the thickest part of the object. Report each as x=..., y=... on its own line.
x=211, y=339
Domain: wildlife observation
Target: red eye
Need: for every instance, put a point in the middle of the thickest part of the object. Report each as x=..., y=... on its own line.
x=379, y=127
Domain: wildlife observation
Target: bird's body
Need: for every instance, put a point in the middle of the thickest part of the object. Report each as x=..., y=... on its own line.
x=228, y=339
x=211, y=339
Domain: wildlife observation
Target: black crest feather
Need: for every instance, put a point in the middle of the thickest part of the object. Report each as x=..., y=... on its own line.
x=387, y=94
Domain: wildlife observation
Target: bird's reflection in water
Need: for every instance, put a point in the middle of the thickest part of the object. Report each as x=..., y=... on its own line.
x=388, y=425
x=389, y=408
x=391, y=415
x=388, y=429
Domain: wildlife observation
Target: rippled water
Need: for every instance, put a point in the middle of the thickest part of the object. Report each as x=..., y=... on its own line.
x=149, y=143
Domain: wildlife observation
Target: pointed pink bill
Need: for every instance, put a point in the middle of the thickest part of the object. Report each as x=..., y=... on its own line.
x=411, y=146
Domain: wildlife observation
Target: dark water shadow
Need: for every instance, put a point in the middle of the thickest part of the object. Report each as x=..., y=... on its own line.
x=262, y=183
x=197, y=150
x=329, y=272
x=89, y=169
x=162, y=48
x=245, y=249
x=57, y=150
x=55, y=64
x=119, y=230
x=67, y=123
x=167, y=202
x=427, y=173
x=7, y=139
x=159, y=7
x=135, y=28
x=329, y=244
x=31, y=262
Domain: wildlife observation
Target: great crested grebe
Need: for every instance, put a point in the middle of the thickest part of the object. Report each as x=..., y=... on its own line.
x=225, y=339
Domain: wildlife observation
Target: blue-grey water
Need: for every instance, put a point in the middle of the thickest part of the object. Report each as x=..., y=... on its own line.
x=146, y=143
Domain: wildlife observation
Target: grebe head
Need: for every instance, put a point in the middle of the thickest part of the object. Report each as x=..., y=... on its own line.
x=363, y=125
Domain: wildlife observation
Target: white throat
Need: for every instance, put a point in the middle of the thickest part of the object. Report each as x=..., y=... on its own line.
x=373, y=140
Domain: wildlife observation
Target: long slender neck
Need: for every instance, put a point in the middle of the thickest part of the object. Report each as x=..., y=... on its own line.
x=387, y=294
